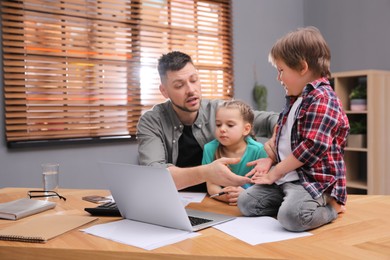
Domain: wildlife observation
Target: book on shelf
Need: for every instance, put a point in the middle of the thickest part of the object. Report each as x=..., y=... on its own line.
x=21, y=208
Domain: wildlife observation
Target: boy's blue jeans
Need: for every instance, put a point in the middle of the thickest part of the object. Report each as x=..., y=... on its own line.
x=294, y=207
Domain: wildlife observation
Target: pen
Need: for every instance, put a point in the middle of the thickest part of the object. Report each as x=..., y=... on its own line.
x=217, y=194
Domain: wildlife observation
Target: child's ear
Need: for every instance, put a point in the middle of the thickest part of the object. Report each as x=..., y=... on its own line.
x=247, y=129
x=304, y=67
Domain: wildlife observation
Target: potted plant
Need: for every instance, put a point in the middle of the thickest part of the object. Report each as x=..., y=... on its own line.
x=259, y=93
x=358, y=96
x=260, y=96
x=357, y=137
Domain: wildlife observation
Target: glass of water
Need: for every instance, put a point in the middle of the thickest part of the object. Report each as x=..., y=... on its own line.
x=50, y=172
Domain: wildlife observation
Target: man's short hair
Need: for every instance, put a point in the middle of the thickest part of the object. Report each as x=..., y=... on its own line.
x=172, y=61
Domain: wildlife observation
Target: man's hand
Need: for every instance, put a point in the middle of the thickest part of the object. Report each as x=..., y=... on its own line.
x=219, y=173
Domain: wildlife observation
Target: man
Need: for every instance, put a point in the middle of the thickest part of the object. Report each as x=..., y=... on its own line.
x=173, y=133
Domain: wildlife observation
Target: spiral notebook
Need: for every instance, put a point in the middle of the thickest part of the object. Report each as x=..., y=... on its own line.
x=42, y=228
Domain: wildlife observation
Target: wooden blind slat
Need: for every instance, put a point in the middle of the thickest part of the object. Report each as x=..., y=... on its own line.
x=77, y=68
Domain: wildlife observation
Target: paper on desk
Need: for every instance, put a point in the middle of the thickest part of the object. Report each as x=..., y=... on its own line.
x=257, y=230
x=188, y=197
x=139, y=234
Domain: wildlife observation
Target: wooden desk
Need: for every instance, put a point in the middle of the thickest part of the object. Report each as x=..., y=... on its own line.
x=363, y=232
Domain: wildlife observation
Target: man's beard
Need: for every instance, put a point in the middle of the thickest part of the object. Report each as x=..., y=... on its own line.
x=185, y=109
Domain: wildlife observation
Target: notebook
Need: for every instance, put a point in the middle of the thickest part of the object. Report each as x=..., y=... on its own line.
x=42, y=228
x=24, y=207
x=148, y=194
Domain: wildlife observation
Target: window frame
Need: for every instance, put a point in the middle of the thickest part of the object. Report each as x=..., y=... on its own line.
x=32, y=60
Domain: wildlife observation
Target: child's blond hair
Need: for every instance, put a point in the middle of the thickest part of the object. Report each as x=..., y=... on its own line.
x=244, y=109
x=246, y=113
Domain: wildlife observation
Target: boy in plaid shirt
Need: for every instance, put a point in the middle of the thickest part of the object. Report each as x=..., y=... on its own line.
x=307, y=186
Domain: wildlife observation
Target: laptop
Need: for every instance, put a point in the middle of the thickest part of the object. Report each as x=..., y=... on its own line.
x=148, y=194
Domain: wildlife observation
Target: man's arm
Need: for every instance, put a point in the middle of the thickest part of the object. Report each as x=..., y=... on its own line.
x=216, y=172
x=151, y=147
x=264, y=123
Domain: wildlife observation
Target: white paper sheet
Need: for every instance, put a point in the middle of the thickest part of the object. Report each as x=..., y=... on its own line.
x=139, y=234
x=257, y=230
x=188, y=197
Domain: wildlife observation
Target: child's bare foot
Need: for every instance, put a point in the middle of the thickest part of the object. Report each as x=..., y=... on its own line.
x=338, y=207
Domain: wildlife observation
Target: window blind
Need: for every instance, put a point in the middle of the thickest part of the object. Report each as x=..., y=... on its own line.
x=86, y=69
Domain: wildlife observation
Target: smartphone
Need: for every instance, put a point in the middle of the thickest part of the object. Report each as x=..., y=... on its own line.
x=96, y=199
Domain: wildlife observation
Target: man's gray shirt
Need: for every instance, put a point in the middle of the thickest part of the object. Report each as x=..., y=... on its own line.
x=159, y=130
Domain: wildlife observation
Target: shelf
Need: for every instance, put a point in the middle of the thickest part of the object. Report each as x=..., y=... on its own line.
x=357, y=185
x=353, y=149
x=355, y=112
x=367, y=167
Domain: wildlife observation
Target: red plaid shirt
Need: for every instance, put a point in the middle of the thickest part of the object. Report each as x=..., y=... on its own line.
x=318, y=138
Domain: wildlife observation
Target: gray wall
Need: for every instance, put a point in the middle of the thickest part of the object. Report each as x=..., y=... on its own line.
x=257, y=24
x=356, y=30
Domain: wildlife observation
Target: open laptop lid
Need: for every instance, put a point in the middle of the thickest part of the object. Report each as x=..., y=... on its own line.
x=145, y=194
x=148, y=194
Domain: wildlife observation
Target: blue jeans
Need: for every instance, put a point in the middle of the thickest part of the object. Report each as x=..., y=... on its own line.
x=294, y=207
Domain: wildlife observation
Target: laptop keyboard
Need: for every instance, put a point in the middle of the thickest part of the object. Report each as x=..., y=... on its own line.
x=111, y=209
x=105, y=209
x=197, y=221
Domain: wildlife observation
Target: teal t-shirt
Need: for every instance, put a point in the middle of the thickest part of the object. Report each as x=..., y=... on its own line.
x=254, y=151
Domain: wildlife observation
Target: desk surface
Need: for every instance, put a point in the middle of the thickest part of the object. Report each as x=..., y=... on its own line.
x=363, y=232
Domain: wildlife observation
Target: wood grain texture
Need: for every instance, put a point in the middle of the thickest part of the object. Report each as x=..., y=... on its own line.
x=363, y=232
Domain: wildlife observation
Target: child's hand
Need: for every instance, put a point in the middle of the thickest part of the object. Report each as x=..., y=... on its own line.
x=268, y=178
x=262, y=178
x=262, y=166
x=232, y=194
